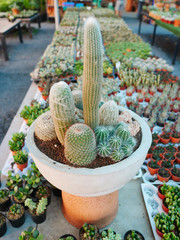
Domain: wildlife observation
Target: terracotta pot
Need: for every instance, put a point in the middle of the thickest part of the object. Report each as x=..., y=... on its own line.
x=13, y=152
x=21, y=166
x=129, y=94
x=15, y=11
x=177, y=158
x=26, y=120
x=160, y=195
x=175, y=178
x=149, y=155
x=147, y=99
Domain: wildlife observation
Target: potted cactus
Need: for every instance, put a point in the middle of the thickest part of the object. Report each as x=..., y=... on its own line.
x=133, y=235
x=5, y=200
x=80, y=144
x=163, y=175
x=43, y=191
x=175, y=174
x=89, y=231
x=37, y=210
x=16, y=215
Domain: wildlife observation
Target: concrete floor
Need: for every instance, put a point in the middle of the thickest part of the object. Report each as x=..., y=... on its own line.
x=14, y=74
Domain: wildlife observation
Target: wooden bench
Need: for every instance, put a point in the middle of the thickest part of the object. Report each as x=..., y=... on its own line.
x=28, y=20
x=5, y=28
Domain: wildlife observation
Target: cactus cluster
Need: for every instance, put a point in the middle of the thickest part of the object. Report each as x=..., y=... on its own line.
x=92, y=72
x=37, y=208
x=116, y=144
x=80, y=144
x=62, y=108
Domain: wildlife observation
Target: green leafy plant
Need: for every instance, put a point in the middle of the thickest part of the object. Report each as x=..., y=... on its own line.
x=13, y=180
x=20, y=157
x=163, y=223
x=133, y=235
x=15, y=211
x=43, y=191
x=20, y=194
x=31, y=234
x=17, y=141
x=90, y=231
x=32, y=180
x=109, y=234
x=4, y=195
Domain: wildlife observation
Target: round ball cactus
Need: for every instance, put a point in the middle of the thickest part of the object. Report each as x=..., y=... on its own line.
x=108, y=114
x=104, y=150
x=124, y=134
x=62, y=108
x=117, y=155
x=102, y=133
x=115, y=141
x=80, y=144
x=44, y=127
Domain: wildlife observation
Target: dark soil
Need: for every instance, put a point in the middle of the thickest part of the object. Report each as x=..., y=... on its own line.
x=54, y=150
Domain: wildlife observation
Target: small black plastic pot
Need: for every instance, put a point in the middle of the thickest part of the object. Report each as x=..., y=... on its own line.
x=81, y=232
x=5, y=205
x=3, y=228
x=38, y=218
x=48, y=198
x=18, y=222
x=68, y=235
x=130, y=231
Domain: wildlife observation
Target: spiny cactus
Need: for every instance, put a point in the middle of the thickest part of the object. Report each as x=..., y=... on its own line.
x=62, y=108
x=104, y=150
x=92, y=72
x=80, y=144
x=44, y=127
x=124, y=134
x=127, y=150
x=115, y=141
x=102, y=133
x=41, y=207
x=117, y=155
x=108, y=114
x=77, y=96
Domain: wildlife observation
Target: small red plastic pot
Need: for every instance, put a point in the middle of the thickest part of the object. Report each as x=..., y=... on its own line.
x=152, y=170
x=40, y=89
x=163, y=140
x=44, y=97
x=160, y=178
x=22, y=166
x=160, y=195
x=164, y=207
x=174, y=140
x=159, y=233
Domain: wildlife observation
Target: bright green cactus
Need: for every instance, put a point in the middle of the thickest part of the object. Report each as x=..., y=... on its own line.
x=115, y=141
x=92, y=72
x=131, y=142
x=104, y=150
x=80, y=144
x=127, y=150
x=102, y=133
x=108, y=114
x=124, y=134
x=62, y=108
x=111, y=130
x=117, y=155
x=77, y=96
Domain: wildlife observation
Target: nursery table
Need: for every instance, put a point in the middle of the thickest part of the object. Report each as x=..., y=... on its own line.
x=171, y=28
x=28, y=20
x=5, y=28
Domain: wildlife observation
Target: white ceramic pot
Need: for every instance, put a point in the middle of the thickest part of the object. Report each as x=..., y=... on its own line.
x=91, y=182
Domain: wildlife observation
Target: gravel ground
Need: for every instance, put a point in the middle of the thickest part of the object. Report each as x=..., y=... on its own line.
x=14, y=74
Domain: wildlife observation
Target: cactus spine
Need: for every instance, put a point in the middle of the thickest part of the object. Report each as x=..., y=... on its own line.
x=62, y=108
x=80, y=144
x=92, y=72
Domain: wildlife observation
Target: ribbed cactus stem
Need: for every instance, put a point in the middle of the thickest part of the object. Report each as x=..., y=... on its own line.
x=108, y=114
x=77, y=96
x=92, y=72
x=80, y=144
x=62, y=108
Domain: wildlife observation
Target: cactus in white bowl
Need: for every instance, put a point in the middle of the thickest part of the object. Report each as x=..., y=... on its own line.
x=92, y=72
x=62, y=108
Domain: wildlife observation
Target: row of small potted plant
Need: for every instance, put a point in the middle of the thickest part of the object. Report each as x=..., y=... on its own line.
x=168, y=226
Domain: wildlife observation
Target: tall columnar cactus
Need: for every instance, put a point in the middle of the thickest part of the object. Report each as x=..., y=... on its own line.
x=108, y=114
x=92, y=72
x=62, y=108
x=80, y=144
x=44, y=127
x=77, y=96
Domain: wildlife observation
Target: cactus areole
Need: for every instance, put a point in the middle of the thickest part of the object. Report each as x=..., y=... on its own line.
x=92, y=72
